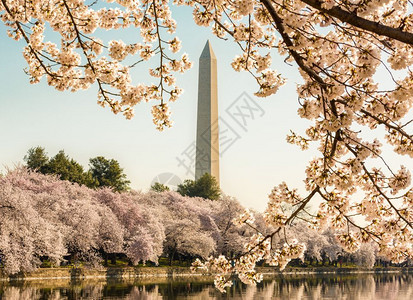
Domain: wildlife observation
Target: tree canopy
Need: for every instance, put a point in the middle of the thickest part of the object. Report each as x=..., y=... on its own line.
x=102, y=172
x=338, y=47
x=159, y=187
x=205, y=187
x=107, y=172
x=36, y=158
x=67, y=169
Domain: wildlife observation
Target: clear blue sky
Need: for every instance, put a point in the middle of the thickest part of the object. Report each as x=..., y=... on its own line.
x=37, y=115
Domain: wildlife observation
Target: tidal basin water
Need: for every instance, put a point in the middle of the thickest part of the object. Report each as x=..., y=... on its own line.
x=338, y=286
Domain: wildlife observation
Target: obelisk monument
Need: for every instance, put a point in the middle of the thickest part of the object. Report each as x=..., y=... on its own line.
x=207, y=133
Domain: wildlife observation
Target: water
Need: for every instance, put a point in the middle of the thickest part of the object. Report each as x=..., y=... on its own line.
x=348, y=286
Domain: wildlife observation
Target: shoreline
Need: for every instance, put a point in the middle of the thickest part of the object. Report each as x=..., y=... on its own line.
x=133, y=273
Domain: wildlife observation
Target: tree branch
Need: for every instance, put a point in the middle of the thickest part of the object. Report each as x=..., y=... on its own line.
x=280, y=27
x=354, y=20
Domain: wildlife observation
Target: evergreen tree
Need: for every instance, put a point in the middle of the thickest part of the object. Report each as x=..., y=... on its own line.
x=36, y=158
x=67, y=169
x=107, y=172
x=159, y=187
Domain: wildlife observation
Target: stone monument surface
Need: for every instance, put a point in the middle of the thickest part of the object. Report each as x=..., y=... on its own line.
x=207, y=136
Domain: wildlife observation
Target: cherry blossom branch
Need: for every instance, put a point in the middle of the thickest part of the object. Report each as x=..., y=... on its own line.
x=379, y=190
x=90, y=63
x=23, y=33
x=280, y=27
x=161, y=53
x=352, y=19
x=348, y=219
x=410, y=224
x=386, y=124
x=372, y=151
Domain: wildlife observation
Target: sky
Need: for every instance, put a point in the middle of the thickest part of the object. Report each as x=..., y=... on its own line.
x=258, y=159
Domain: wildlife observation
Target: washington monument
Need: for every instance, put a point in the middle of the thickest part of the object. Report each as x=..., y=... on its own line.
x=207, y=133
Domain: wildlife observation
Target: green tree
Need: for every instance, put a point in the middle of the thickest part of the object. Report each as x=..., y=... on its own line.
x=107, y=172
x=67, y=169
x=206, y=187
x=36, y=159
x=159, y=187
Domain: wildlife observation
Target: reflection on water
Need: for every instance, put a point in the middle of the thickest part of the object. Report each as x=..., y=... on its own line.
x=353, y=286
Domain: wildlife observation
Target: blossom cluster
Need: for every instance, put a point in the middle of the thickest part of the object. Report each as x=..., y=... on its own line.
x=83, y=60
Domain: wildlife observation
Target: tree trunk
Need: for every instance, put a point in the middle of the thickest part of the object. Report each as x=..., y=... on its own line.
x=113, y=259
x=105, y=256
x=171, y=256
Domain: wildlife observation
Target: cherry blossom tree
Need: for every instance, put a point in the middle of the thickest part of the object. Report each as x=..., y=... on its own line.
x=189, y=226
x=43, y=216
x=25, y=235
x=87, y=225
x=331, y=248
x=143, y=231
x=338, y=46
x=366, y=255
x=231, y=238
x=315, y=242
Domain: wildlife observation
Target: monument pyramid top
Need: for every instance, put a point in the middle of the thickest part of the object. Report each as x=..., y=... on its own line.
x=208, y=52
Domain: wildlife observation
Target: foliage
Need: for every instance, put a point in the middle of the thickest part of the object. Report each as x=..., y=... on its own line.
x=36, y=158
x=107, y=172
x=66, y=168
x=102, y=173
x=159, y=187
x=205, y=187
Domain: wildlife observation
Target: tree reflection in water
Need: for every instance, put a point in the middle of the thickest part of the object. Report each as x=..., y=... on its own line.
x=352, y=286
